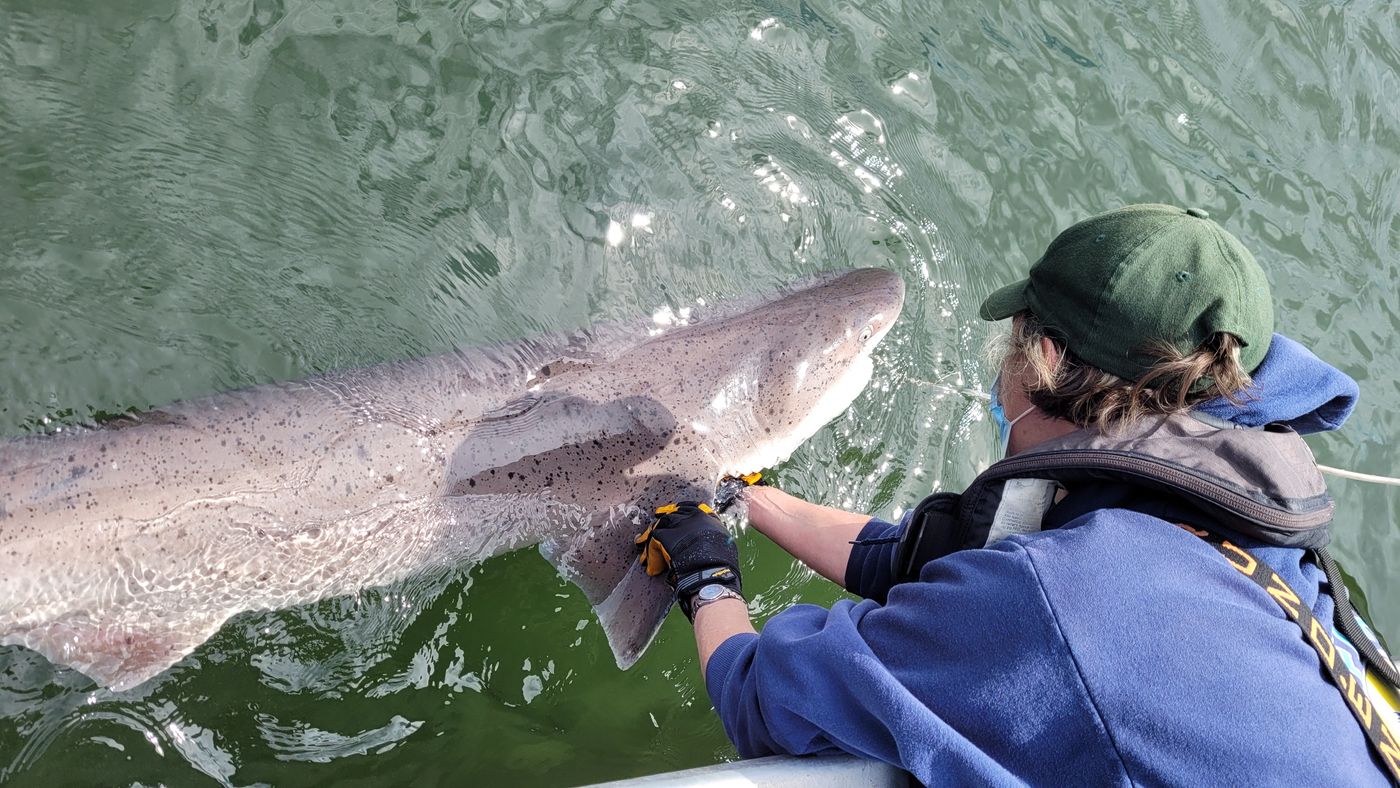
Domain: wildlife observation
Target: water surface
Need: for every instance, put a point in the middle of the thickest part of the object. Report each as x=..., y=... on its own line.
x=199, y=195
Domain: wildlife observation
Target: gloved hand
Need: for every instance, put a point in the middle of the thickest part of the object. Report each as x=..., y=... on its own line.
x=692, y=548
x=731, y=486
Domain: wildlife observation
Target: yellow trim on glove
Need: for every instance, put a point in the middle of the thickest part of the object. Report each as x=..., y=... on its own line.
x=654, y=558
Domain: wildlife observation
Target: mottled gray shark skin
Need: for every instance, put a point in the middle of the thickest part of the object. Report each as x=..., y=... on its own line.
x=125, y=546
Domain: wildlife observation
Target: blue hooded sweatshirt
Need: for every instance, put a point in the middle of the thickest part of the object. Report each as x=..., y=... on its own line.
x=1111, y=648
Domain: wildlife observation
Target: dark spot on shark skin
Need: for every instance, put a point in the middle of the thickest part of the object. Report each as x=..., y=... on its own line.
x=626, y=433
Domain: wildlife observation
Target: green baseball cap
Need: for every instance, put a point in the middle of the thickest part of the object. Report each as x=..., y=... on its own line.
x=1110, y=285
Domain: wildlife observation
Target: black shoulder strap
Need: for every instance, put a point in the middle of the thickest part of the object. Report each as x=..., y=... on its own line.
x=1346, y=620
x=1315, y=632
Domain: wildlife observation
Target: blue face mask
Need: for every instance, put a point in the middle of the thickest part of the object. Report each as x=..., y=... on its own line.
x=999, y=415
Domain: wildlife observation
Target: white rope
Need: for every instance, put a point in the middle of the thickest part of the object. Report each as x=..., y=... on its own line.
x=948, y=388
x=1360, y=477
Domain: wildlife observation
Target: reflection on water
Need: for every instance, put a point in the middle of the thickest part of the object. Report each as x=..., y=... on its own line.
x=200, y=195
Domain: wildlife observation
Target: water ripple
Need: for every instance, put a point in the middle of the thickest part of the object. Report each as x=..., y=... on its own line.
x=197, y=196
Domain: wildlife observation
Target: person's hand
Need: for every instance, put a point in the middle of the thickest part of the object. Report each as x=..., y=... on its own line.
x=731, y=487
x=689, y=546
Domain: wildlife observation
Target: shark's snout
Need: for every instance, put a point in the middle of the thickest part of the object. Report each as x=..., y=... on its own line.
x=813, y=361
x=872, y=296
x=888, y=288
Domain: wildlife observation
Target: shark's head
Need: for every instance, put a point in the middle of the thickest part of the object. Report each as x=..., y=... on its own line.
x=605, y=442
x=808, y=358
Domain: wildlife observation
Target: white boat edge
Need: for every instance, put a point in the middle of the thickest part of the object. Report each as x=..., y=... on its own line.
x=778, y=771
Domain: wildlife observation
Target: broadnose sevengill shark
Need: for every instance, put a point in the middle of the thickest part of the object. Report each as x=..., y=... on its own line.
x=125, y=546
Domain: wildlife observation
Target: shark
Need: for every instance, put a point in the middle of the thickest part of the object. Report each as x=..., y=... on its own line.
x=123, y=546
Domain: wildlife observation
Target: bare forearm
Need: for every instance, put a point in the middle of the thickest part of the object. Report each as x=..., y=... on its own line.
x=716, y=623
x=818, y=536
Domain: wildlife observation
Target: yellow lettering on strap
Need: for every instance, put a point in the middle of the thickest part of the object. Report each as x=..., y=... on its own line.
x=1390, y=751
x=1283, y=595
x=1323, y=642
x=1250, y=562
x=1353, y=690
x=1356, y=695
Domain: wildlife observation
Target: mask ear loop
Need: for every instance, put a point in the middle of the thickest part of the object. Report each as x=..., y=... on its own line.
x=1005, y=442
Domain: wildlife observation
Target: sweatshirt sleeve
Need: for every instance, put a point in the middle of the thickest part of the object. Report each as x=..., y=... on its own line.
x=920, y=682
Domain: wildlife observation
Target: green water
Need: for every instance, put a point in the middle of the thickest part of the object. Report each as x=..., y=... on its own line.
x=198, y=196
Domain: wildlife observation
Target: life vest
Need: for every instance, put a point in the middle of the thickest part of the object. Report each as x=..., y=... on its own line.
x=1261, y=483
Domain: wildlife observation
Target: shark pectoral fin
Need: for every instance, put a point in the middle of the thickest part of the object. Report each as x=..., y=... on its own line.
x=118, y=657
x=578, y=448
x=633, y=612
x=601, y=559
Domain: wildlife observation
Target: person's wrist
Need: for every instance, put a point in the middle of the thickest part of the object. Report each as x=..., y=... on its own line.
x=704, y=595
x=692, y=582
x=712, y=596
x=690, y=585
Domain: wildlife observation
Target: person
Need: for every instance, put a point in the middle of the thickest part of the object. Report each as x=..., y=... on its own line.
x=1139, y=593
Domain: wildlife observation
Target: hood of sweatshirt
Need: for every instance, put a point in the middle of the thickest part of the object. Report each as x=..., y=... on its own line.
x=1294, y=387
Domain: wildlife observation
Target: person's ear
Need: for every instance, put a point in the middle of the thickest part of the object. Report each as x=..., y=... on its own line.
x=1050, y=351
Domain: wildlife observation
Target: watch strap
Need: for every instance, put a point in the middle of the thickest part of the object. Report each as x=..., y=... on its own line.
x=696, y=603
x=721, y=575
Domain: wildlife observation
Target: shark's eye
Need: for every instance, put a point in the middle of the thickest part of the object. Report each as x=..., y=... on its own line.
x=866, y=334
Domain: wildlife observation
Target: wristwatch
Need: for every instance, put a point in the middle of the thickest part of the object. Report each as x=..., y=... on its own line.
x=711, y=593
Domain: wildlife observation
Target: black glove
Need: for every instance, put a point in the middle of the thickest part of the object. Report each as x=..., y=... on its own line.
x=731, y=486
x=690, y=546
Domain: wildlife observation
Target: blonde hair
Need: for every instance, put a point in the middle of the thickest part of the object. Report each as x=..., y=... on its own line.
x=1078, y=392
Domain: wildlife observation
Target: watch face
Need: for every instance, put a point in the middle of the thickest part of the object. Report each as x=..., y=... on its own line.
x=712, y=591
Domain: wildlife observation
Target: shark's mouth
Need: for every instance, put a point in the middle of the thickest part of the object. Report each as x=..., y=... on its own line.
x=833, y=402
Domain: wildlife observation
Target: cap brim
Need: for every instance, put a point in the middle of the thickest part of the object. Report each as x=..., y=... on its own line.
x=1006, y=302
